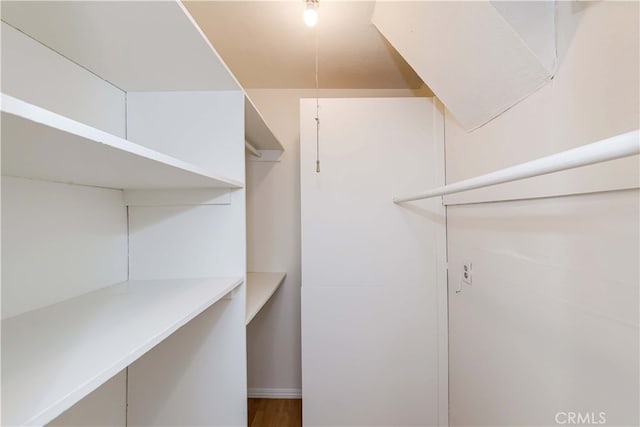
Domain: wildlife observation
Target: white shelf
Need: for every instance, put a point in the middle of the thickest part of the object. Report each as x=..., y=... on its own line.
x=260, y=287
x=40, y=144
x=55, y=356
x=256, y=130
x=166, y=53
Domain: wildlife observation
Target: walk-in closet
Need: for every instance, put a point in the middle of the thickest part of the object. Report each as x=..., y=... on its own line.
x=320, y=213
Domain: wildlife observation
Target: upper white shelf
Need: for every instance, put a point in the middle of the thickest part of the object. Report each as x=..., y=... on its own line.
x=256, y=130
x=260, y=287
x=54, y=356
x=136, y=45
x=40, y=144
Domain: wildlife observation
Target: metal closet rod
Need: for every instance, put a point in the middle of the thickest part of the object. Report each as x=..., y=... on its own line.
x=253, y=150
x=624, y=145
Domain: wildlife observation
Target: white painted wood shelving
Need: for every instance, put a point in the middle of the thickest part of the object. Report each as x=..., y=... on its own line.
x=40, y=144
x=257, y=133
x=131, y=142
x=56, y=355
x=260, y=288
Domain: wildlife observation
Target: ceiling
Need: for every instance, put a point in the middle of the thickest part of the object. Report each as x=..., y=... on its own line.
x=267, y=45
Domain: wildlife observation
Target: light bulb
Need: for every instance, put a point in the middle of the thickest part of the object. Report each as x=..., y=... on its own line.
x=310, y=15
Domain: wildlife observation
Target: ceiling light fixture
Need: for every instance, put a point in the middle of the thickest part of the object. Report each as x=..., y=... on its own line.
x=310, y=15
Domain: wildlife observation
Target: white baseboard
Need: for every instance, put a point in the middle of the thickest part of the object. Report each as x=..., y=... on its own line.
x=275, y=393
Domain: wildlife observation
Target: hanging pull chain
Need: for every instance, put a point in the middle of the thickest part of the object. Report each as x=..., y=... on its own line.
x=317, y=141
x=317, y=109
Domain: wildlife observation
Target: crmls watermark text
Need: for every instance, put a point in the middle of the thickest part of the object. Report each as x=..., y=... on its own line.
x=581, y=418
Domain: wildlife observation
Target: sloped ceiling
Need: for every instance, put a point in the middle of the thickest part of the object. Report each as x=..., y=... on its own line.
x=267, y=45
x=478, y=59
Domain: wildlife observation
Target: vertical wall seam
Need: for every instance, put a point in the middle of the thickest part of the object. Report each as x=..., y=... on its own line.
x=446, y=257
x=128, y=244
x=126, y=390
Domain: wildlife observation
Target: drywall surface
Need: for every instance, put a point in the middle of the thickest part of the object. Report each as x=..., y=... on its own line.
x=534, y=21
x=549, y=324
x=196, y=377
x=202, y=128
x=550, y=321
x=105, y=406
x=273, y=230
x=34, y=73
x=165, y=53
x=468, y=53
x=594, y=95
x=59, y=241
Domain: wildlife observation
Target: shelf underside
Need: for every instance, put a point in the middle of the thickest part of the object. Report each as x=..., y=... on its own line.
x=260, y=287
x=256, y=130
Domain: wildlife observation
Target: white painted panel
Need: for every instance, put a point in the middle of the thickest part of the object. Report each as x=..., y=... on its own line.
x=187, y=241
x=370, y=268
x=59, y=241
x=198, y=375
x=369, y=355
x=203, y=365
x=156, y=46
x=105, y=406
x=77, y=345
x=273, y=232
x=551, y=320
x=535, y=23
x=352, y=234
x=203, y=128
x=466, y=52
x=595, y=95
x=36, y=74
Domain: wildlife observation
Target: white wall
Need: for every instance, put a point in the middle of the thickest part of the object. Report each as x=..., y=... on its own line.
x=202, y=128
x=34, y=73
x=593, y=96
x=468, y=53
x=105, y=406
x=196, y=377
x=59, y=241
x=273, y=230
x=550, y=322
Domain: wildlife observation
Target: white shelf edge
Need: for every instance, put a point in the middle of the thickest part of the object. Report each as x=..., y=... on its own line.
x=183, y=197
x=247, y=98
x=44, y=117
x=251, y=109
x=208, y=43
x=56, y=407
x=260, y=288
x=266, y=156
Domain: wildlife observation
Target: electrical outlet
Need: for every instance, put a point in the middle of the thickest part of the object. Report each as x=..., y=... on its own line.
x=467, y=272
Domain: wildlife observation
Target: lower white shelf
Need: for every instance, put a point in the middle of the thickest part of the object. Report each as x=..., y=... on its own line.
x=54, y=356
x=260, y=287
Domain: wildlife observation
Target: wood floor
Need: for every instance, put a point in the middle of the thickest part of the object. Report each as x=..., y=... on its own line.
x=275, y=412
